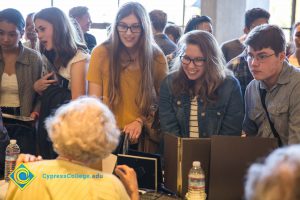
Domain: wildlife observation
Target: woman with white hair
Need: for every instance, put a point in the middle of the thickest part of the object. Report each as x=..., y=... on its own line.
x=83, y=132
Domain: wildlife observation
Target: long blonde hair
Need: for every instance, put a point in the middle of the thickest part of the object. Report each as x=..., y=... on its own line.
x=147, y=52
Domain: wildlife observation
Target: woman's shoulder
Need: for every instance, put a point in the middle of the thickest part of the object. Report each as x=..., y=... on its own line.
x=159, y=57
x=230, y=79
x=80, y=55
x=169, y=78
x=35, y=167
x=28, y=53
x=101, y=50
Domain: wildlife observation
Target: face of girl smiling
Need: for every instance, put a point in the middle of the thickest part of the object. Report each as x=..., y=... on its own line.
x=192, y=71
x=45, y=33
x=128, y=38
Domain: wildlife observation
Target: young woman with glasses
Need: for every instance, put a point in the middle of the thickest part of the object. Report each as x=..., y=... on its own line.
x=126, y=70
x=200, y=98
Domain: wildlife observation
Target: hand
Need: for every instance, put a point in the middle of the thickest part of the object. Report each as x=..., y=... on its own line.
x=34, y=115
x=134, y=130
x=243, y=134
x=129, y=180
x=25, y=158
x=169, y=57
x=43, y=83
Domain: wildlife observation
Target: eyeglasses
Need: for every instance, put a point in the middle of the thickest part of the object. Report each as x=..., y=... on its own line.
x=259, y=58
x=197, y=61
x=134, y=28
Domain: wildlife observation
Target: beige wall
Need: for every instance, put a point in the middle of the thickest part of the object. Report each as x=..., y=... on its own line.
x=228, y=16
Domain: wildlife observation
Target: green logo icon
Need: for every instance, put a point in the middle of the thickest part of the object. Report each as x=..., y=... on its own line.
x=22, y=176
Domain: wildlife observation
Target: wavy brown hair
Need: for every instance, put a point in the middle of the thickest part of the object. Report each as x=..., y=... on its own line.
x=147, y=52
x=65, y=42
x=214, y=73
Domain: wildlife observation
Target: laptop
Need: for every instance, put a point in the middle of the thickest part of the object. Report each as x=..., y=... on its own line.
x=159, y=172
x=145, y=168
x=152, y=186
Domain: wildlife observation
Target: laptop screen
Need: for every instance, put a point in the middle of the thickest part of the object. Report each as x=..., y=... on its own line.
x=159, y=164
x=145, y=168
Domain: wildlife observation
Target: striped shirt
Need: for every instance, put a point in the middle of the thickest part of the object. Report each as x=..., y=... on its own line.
x=194, y=128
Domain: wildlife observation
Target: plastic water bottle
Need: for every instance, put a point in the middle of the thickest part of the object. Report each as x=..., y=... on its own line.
x=11, y=155
x=196, y=183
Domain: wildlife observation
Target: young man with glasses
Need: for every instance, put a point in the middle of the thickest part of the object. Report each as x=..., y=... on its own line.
x=272, y=103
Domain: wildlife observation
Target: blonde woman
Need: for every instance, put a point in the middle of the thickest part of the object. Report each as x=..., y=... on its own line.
x=126, y=70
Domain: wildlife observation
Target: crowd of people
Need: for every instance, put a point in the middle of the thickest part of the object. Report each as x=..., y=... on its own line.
x=147, y=70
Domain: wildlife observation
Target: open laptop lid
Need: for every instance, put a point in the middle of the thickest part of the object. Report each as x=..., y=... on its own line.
x=145, y=168
x=159, y=164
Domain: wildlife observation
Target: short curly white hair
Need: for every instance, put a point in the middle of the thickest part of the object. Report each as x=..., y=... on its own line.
x=277, y=178
x=84, y=130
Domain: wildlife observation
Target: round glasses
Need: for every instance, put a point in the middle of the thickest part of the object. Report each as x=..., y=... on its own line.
x=134, y=28
x=259, y=58
x=199, y=62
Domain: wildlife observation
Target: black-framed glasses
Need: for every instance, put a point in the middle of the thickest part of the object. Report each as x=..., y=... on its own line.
x=134, y=28
x=259, y=58
x=199, y=61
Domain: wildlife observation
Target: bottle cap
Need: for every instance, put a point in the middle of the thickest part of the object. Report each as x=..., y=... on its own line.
x=196, y=164
x=13, y=141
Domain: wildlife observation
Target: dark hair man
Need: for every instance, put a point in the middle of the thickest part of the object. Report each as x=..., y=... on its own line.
x=272, y=103
x=253, y=18
x=159, y=20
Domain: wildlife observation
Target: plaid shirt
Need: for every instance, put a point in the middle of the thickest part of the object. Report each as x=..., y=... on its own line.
x=239, y=66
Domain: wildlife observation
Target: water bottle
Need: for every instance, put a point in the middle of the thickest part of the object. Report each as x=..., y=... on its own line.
x=11, y=155
x=196, y=183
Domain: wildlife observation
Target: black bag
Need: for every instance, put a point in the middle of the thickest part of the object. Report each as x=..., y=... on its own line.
x=152, y=133
x=53, y=97
x=123, y=145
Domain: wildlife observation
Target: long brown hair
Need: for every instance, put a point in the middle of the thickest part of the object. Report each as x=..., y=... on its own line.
x=147, y=52
x=214, y=73
x=65, y=42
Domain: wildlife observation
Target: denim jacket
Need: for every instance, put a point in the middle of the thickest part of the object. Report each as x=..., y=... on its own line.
x=223, y=117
